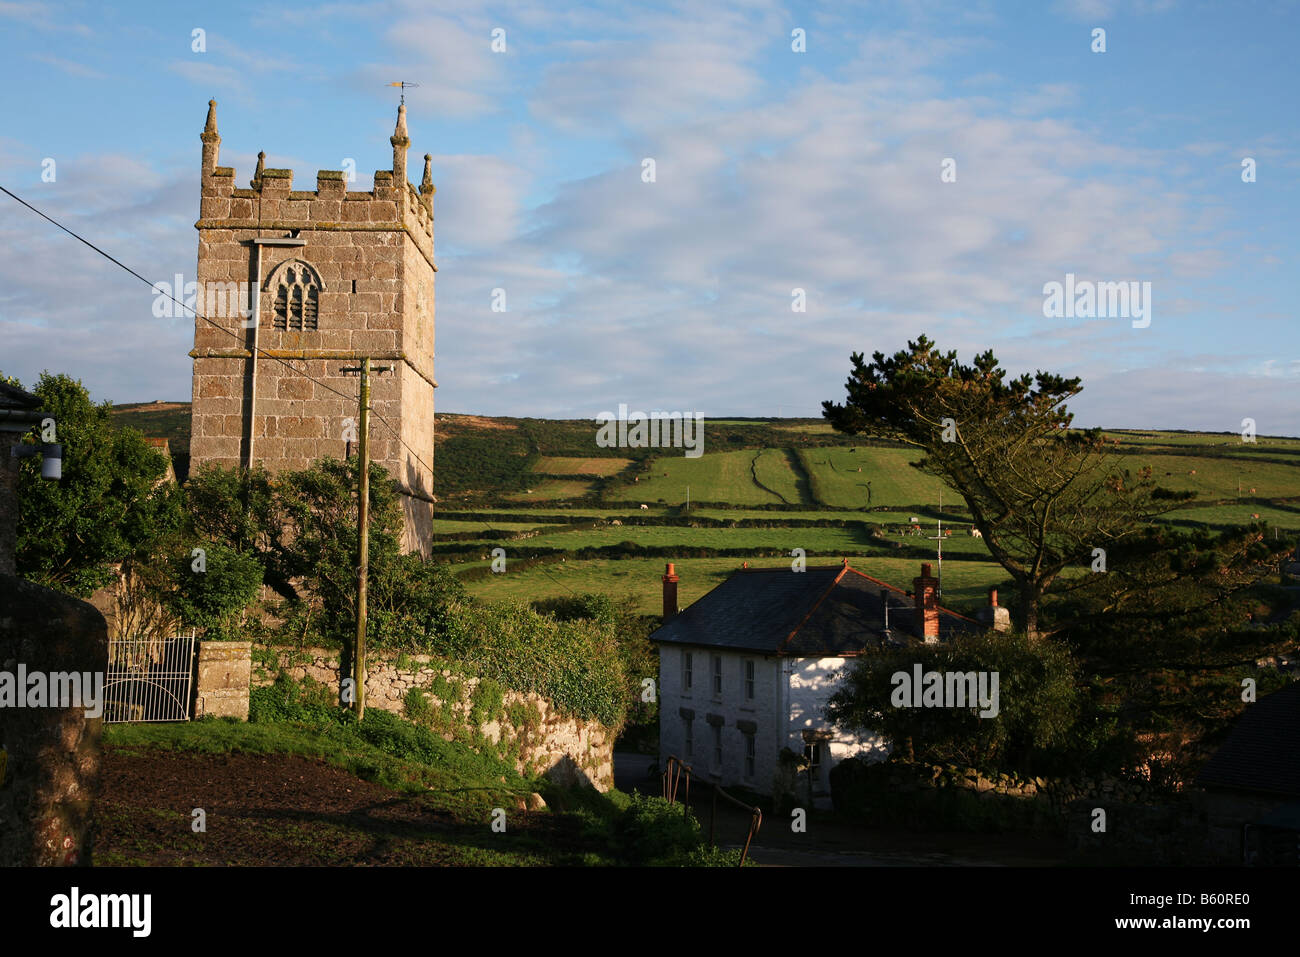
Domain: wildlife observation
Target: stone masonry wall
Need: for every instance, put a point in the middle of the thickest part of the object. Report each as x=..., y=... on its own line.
x=223, y=680
x=528, y=727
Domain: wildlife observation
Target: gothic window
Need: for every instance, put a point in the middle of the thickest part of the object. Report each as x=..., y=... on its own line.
x=296, y=288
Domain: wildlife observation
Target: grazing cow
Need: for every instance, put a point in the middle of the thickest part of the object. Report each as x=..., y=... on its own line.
x=645, y=507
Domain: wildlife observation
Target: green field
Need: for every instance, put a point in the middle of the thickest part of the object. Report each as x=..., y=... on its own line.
x=713, y=477
x=1216, y=478
x=552, y=490
x=840, y=478
x=571, y=465
x=1217, y=440
x=779, y=471
x=1283, y=517
x=965, y=584
x=536, y=476
x=444, y=525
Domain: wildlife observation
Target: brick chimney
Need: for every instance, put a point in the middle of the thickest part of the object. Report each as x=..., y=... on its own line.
x=925, y=591
x=670, y=592
x=994, y=616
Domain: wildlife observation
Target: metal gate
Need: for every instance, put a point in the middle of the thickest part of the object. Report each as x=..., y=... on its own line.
x=149, y=679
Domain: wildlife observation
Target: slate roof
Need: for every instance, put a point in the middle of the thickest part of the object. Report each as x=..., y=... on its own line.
x=1263, y=751
x=836, y=611
x=15, y=398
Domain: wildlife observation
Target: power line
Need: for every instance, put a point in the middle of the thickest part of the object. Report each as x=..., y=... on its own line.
x=215, y=325
x=236, y=336
x=154, y=286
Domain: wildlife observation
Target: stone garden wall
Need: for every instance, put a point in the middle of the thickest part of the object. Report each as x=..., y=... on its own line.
x=435, y=692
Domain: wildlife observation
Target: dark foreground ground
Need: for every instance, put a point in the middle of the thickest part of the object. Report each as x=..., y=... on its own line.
x=281, y=809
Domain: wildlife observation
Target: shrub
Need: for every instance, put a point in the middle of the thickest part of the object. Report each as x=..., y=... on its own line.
x=289, y=700
x=1039, y=702
x=653, y=830
x=215, y=597
x=573, y=664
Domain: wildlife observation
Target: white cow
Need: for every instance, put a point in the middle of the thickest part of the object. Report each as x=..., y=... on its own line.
x=976, y=532
x=645, y=507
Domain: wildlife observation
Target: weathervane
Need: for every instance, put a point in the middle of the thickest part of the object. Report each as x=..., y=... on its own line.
x=404, y=84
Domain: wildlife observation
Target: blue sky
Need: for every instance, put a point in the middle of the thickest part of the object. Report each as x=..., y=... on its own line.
x=775, y=170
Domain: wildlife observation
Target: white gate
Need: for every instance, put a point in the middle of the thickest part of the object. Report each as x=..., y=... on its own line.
x=149, y=679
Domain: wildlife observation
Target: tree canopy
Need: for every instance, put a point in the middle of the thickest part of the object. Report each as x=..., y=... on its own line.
x=1044, y=496
x=110, y=506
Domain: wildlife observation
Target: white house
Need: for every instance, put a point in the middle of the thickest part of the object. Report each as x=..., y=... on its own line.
x=747, y=670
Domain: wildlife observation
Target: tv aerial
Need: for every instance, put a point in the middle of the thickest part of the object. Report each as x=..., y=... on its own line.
x=404, y=84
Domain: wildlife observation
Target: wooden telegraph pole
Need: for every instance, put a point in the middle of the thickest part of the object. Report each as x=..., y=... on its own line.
x=363, y=533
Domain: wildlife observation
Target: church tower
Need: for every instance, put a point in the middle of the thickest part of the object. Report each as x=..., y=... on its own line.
x=311, y=281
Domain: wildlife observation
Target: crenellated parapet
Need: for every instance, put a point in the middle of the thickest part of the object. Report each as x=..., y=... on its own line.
x=271, y=202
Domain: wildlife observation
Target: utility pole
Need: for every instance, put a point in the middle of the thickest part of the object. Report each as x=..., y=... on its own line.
x=363, y=533
x=363, y=518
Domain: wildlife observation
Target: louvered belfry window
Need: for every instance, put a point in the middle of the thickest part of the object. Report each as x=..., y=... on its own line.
x=297, y=298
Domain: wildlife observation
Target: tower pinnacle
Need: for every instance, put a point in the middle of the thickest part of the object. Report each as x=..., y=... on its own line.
x=400, y=141
x=211, y=139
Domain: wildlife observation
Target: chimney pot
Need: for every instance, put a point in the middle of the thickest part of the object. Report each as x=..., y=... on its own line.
x=993, y=598
x=670, y=591
x=926, y=601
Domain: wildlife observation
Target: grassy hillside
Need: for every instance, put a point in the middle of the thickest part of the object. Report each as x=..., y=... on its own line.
x=569, y=515
x=159, y=420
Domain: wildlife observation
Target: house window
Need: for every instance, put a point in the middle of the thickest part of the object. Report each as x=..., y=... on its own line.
x=296, y=287
x=687, y=663
x=689, y=725
x=812, y=753
x=717, y=746
x=717, y=676
x=749, y=680
x=749, y=756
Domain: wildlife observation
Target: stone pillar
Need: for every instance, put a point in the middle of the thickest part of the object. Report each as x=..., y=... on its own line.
x=225, y=672
x=52, y=753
